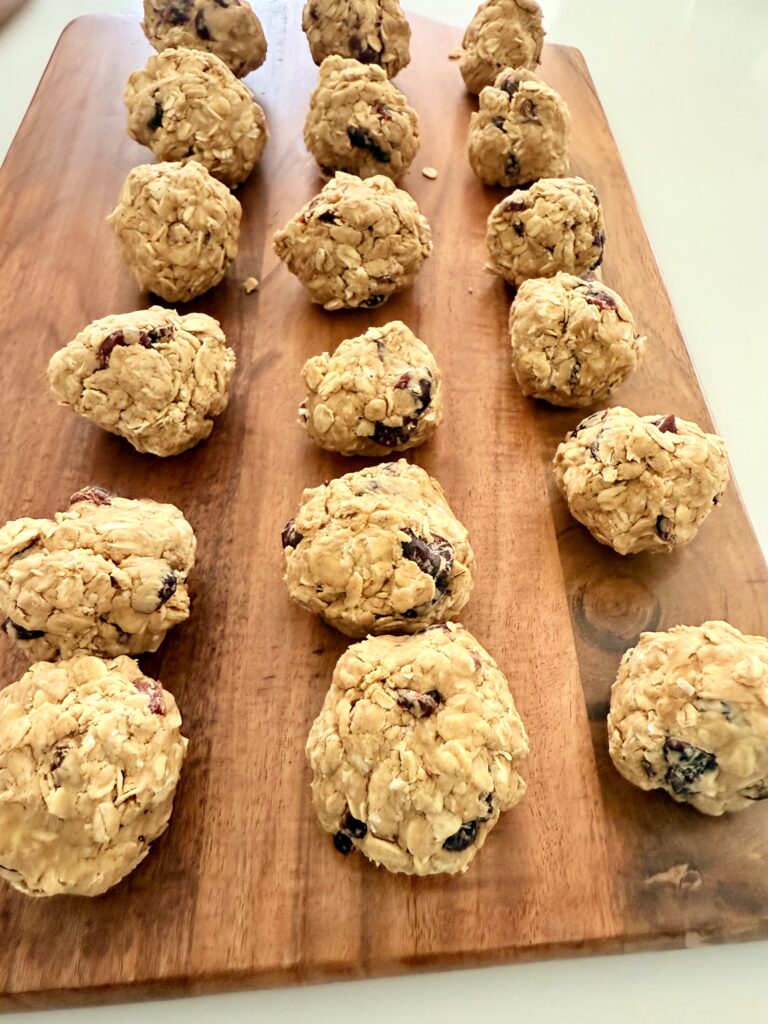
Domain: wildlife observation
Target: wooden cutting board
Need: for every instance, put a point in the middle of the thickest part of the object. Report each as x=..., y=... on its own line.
x=245, y=889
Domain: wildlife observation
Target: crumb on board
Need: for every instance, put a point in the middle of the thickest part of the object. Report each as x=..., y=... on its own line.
x=455, y=54
x=250, y=284
x=471, y=290
x=429, y=172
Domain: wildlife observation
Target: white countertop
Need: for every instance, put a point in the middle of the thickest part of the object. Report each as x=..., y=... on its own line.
x=685, y=87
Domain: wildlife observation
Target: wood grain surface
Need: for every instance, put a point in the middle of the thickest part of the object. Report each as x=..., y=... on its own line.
x=245, y=889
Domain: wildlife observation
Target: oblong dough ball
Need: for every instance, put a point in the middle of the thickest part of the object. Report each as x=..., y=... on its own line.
x=228, y=28
x=415, y=753
x=371, y=31
x=502, y=34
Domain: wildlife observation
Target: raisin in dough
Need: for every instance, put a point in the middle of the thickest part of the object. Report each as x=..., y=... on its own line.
x=356, y=243
x=371, y=31
x=378, y=393
x=502, y=34
x=359, y=122
x=177, y=227
x=90, y=754
x=573, y=341
x=187, y=105
x=554, y=224
x=520, y=132
x=415, y=752
x=641, y=483
x=228, y=28
x=153, y=377
x=689, y=715
x=378, y=551
x=108, y=576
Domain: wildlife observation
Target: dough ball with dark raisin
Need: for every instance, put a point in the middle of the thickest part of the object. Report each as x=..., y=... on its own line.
x=371, y=31
x=359, y=122
x=689, y=716
x=502, y=34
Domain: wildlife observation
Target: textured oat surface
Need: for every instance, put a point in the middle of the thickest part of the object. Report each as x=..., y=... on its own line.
x=371, y=31
x=502, y=34
x=90, y=754
x=415, y=752
x=689, y=715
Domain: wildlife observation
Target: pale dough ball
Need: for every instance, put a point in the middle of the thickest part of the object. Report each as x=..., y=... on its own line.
x=228, y=28
x=573, y=341
x=90, y=755
x=521, y=131
x=153, y=377
x=177, y=227
x=356, y=243
x=641, y=483
x=502, y=34
x=377, y=393
x=689, y=715
x=371, y=31
x=359, y=122
x=378, y=551
x=415, y=753
x=187, y=105
x=108, y=577
x=554, y=224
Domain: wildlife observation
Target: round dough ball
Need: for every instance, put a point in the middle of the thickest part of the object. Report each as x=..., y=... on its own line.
x=356, y=243
x=521, y=131
x=187, y=105
x=573, y=341
x=689, y=715
x=415, y=752
x=90, y=755
x=641, y=483
x=371, y=31
x=378, y=551
x=228, y=28
x=153, y=377
x=177, y=227
x=108, y=576
x=554, y=224
x=360, y=122
x=502, y=34
x=378, y=393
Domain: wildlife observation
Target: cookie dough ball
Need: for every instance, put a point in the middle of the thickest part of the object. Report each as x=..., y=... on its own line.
x=520, y=132
x=378, y=551
x=153, y=377
x=90, y=755
x=502, y=34
x=360, y=122
x=177, y=228
x=641, y=483
x=356, y=243
x=689, y=715
x=187, y=105
x=378, y=393
x=371, y=31
x=109, y=577
x=415, y=753
x=573, y=341
x=555, y=224
x=228, y=28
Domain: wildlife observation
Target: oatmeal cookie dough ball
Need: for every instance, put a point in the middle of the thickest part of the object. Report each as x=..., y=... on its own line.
x=689, y=715
x=153, y=377
x=415, y=753
x=502, y=34
x=90, y=755
x=228, y=28
x=573, y=341
x=371, y=31
x=641, y=483
x=177, y=227
x=378, y=551
x=108, y=576
x=359, y=122
x=187, y=105
x=378, y=393
x=555, y=224
x=356, y=243
x=521, y=131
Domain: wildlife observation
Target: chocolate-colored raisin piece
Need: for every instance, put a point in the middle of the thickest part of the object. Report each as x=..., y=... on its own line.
x=372, y=300
x=155, y=693
x=177, y=13
x=360, y=139
x=167, y=590
x=529, y=112
x=343, y=843
x=327, y=217
x=498, y=122
x=435, y=558
x=390, y=437
x=156, y=120
x=365, y=54
x=573, y=376
x=512, y=169
x=509, y=86
x=667, y=425
x=420, y=705
x=648, y=768
x=597, y=297
x=757, y=791
x=201, y=26
x=21, y=632
x=353, y=826
x=460, y=840
x=687, y=763
x=96, y=495
x=665, y=528
x=290, y=536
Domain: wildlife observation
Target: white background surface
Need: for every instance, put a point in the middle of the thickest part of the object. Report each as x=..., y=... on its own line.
x=685, y=87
